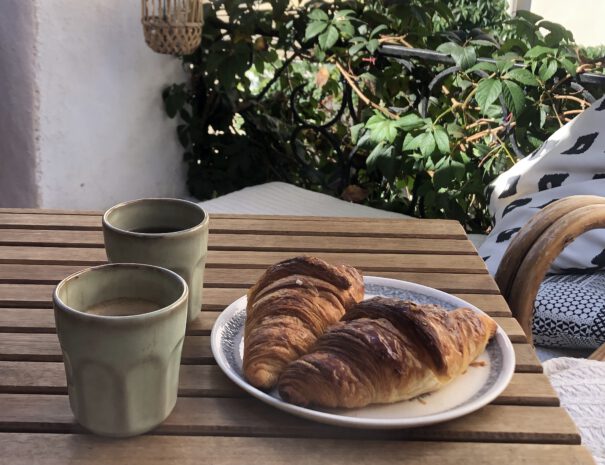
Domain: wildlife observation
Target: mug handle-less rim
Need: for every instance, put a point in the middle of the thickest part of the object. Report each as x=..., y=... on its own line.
x=115, y=319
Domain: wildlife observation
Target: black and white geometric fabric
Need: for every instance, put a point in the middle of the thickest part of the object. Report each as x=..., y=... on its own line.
x=569, y=311
x=570, y=162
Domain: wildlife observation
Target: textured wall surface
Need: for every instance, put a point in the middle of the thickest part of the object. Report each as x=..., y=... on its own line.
x=81, y=117
x=103, y=135
x=17, y=105
x=583, y=17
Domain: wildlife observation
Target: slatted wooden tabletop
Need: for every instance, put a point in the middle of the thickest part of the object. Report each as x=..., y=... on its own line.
x=216, y=422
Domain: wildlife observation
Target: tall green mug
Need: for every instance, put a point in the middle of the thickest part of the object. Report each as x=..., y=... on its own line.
x=170, y=233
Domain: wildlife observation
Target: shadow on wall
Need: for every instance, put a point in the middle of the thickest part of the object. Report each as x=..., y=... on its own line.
x=17, y=149
x=85, y=118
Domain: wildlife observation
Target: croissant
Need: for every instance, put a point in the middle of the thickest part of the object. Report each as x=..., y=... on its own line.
x=289, y=307
x=386, y=350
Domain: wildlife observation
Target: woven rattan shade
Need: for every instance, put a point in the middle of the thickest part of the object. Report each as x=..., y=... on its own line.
x=172, y=27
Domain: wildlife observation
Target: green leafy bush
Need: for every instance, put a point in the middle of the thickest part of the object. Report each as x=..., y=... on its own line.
x=238, y=128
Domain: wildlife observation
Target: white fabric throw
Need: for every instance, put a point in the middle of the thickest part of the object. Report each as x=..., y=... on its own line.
x=581, y=388
x=570, y=162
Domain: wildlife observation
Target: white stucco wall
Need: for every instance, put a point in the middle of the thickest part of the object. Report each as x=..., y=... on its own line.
x=99, y=132
x=582, y=17
x=103, y=135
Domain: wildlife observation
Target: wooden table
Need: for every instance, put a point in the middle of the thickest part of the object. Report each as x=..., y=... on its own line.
x=214, y=421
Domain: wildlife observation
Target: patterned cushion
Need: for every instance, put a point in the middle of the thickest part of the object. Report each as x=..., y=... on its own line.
x=570, y=162
x=570, y=311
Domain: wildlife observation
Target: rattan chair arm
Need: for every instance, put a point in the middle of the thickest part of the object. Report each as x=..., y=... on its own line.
x=529, y=234
x=542, y=253
x=598, y=354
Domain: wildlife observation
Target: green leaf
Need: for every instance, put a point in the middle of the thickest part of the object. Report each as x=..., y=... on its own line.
x=345, y=27
x=552, y=26
x=315, y=28
x=465, y=57
x=529, y=16
x=547, y=70
x=373, y=45
x=523, y=76
x=408, y=142
x=318, y=15
x=328, y=38
x=538, y=51
x=452, y=170
x=448, y=48
x=504, y=65
x=183, y=134
x=356, y=130
x=544, y=110
x=514, y=97
x=375, y=154
x=175, y=98
x=344, y=13
x=483, y=66
x=356, y=48
x=382, y=129
x=426, y=144
x=455, y=130
x=382, y=158
x=568, y=65
x=442, y=139
x=377, y=29
x=409, y=122
x=482, y=42
x=488, y=92
x=513, y=44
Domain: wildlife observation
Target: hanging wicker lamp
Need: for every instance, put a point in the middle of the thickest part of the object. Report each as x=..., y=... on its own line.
x=172, y=27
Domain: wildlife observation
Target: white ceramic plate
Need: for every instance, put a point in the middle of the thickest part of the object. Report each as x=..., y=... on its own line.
x=467, y=393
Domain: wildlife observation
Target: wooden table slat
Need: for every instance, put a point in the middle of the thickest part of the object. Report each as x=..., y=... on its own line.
x=274, y=242
x=375, y=227
x=196, y=350
x=367, y=262
x=217, y=277
x=39, y=295
x=60, y=449
x=41, y=320
x=209, y=381
x=250, y=417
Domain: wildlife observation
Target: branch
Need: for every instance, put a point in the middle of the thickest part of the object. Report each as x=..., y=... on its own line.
x=481, y=122
x=360, y=94
x=396, y=39
x=582, y=102
x=490, y=131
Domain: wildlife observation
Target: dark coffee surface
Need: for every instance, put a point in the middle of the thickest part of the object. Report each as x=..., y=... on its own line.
x=156, y=230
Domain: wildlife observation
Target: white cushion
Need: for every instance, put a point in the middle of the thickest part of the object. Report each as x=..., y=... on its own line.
x=279, y=198
x=580, y=385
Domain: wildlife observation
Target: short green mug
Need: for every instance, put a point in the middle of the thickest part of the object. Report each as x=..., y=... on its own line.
x=121, y=329
x=170, y=233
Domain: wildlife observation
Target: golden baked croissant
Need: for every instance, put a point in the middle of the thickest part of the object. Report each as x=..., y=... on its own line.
x=289, y=307
x=386, y=350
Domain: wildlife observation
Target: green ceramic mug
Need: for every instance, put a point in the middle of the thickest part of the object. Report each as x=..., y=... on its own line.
x=121, y=329
x=170, y=233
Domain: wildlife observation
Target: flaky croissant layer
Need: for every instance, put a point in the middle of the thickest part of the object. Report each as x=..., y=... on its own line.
x=385, y=350
x=290, y=306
